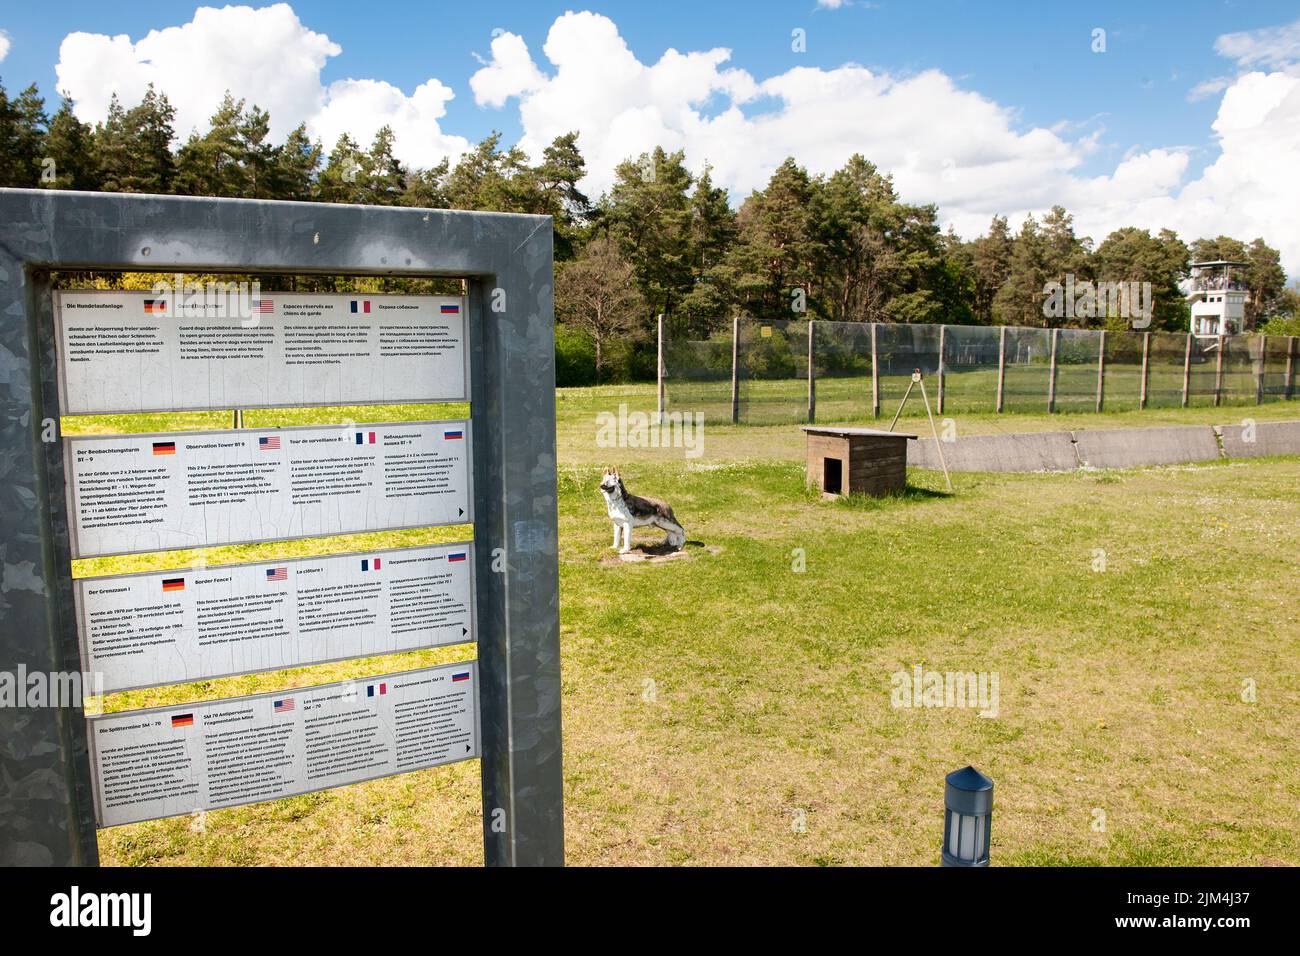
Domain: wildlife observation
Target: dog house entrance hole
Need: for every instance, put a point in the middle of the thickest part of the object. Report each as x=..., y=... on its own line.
x=833, y=476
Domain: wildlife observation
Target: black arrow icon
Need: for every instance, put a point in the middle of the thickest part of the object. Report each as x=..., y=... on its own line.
x=463, y=630
x=460, y=512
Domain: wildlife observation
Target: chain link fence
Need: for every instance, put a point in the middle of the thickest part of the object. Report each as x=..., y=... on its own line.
x=791, y=371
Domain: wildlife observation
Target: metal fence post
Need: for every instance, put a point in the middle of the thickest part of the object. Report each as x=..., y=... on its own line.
x=1051, y=374
x=735, y=358
x=1101, y=371
x=1002, y=365
x=1260, y=367
x=943, y=332
x=1146, y=370
x=1288, y=389
x=875, y=375
x=812, y=377
x=1187, y=370
x=659, y=375
x=1218, y=371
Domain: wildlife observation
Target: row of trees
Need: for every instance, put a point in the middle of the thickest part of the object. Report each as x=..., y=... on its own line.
x=842, y=246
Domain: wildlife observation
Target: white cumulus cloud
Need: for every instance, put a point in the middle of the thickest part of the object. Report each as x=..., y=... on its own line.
x=266, y=56
x=942, y=143
x=4, y=45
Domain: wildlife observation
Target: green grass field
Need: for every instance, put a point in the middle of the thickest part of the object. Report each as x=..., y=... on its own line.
x=732, y=709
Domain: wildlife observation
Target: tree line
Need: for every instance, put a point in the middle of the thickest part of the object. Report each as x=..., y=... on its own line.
x=661, y=240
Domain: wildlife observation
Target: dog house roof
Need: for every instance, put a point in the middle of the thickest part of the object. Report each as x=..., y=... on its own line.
x=851, y=432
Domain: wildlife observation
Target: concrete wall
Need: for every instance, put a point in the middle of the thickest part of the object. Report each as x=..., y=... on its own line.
x=1270, y=438
x=1033, y=451
x=1130, y=447
x=1107, y=448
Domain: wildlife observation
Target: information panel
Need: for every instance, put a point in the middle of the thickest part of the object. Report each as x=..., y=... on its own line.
x=172, y=627
x=156, y=492
x=168, y=761
x=149, y=352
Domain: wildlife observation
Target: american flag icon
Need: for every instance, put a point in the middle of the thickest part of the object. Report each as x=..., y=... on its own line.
x=269, y=444
x=283, y=706
x=262, y=306
x=277, y=574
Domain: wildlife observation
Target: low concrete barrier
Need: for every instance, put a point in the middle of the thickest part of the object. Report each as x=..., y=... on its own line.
x=1269, y=438
x=1130, y=447
x=1107, y=447
x=1030, y=451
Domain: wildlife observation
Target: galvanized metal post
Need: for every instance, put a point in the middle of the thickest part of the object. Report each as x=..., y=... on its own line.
x=735, y=366
x=1002, y=365
x=47, y=813
x=1146, y=369
x=1051, y=374
x=1101, y=370
x=45, y=802
x=1187, y=370
x=812, y=376
x=875, y=375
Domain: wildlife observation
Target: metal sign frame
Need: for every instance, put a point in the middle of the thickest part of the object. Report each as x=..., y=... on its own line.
x=46, y=803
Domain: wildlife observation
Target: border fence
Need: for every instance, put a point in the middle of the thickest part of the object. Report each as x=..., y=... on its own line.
x=786, y=370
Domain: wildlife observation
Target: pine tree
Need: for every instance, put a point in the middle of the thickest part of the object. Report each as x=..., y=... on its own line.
x=1134, y=255
x=214, y=164
x=70, y=143
x=1063, y=253
x=647, y=213
x=385, y=180
x=133, y=147
x=1020, y=299
x=990, y=267
x=427, y=188
x=343, y=178
x=297, y=162
x=489, y=178
x=712, y=232
x=1266, y=280
x=554, y=182
x=22, y=138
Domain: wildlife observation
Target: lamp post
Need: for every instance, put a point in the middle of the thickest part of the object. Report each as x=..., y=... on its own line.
x=968, y=818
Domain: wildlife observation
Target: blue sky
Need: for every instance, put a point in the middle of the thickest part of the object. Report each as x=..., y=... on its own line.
x=1035, y=57
x=1031, y=62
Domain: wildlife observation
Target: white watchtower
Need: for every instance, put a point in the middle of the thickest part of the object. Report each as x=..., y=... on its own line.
x=1217, y=297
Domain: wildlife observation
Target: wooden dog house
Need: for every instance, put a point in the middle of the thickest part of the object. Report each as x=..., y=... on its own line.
x=856, y=460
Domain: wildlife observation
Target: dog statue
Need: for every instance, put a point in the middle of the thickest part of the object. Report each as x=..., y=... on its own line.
x=629, y=511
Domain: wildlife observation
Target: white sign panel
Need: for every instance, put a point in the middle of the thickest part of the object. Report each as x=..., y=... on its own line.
x=168, y=761
x=172, y=627
x=148, y=352
x=132, y=493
